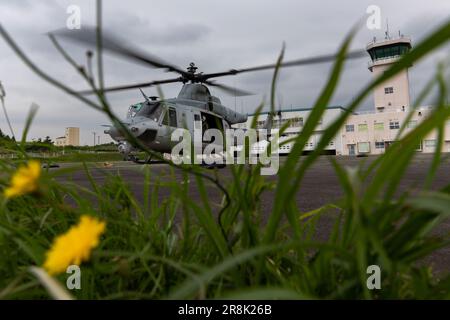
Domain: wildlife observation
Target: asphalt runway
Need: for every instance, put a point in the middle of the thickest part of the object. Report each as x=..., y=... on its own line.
x=319, y=187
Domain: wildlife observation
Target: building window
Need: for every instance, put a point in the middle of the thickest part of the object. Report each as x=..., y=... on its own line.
x=394, y=125
x=363, y=147
x=389, y=90
x=378, y=126
x=379, y=145
x=430, y=143
x=260, y=124
x=362, y=127
x=296, y=122
x=412, y=124
x=388, y=52
x=349, y=128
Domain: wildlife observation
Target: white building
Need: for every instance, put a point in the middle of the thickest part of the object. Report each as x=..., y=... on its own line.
x=71, y=138
x=367, y=132
x=393, y=95
x=60, y=141
x=373, y=132
x=297, y=118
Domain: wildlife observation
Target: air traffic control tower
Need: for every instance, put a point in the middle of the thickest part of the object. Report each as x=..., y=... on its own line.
x=392, y=95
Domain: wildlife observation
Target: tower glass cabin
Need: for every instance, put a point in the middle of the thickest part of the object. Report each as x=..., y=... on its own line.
x=393, y=94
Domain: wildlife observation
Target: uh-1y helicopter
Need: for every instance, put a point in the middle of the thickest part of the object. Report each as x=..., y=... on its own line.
x=153, y=120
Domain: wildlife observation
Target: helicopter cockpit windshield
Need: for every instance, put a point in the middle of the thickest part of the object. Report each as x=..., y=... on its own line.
x=133, y=110
x=152, y=111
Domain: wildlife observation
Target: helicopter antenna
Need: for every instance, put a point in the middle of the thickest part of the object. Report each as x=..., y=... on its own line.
x=146, y=98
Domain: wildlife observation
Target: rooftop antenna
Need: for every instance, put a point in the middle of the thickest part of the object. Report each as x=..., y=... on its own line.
x=234, y=94
x=280, y=101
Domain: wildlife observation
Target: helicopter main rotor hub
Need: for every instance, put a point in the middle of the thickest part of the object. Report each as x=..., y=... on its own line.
x=191, y=75
x=192, y=68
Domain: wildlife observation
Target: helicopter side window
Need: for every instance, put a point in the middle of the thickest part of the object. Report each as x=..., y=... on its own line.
x=165, y=120
x=173, y=117
x=170, y=118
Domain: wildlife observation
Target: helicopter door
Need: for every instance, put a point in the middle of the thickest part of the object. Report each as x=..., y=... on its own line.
x=210, y=121
x=168, y=124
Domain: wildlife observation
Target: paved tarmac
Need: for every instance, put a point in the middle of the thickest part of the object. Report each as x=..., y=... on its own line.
x=319, y=187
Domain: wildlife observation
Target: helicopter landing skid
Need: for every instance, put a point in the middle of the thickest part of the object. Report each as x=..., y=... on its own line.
x=213, y=166
x=148, y=160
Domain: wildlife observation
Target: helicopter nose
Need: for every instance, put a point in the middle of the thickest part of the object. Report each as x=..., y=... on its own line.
x=113, y=132
x=146, y=130
x=116, y=133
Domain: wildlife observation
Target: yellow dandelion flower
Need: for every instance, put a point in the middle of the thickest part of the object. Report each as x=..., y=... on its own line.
x=25, y=180
x=74, y=246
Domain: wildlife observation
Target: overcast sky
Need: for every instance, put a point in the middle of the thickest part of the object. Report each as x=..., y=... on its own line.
x=216, y=35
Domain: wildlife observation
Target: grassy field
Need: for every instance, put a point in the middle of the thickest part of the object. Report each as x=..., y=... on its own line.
x=132, y=250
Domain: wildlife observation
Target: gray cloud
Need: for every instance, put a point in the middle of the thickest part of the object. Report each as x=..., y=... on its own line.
x=216, y=35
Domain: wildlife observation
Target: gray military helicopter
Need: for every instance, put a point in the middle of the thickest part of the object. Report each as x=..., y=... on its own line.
x=153, y=120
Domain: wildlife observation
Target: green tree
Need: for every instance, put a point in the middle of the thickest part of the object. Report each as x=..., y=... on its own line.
x=48, y=140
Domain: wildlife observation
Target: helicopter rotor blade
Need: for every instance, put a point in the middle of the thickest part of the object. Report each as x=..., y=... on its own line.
x=299, y=62
x=88, y=35
x=133, y=86
x=229, y=90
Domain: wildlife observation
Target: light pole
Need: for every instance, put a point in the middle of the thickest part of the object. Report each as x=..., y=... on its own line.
x=94, y=133
x=2, y=98
x=89, y=55
x=2, y=91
